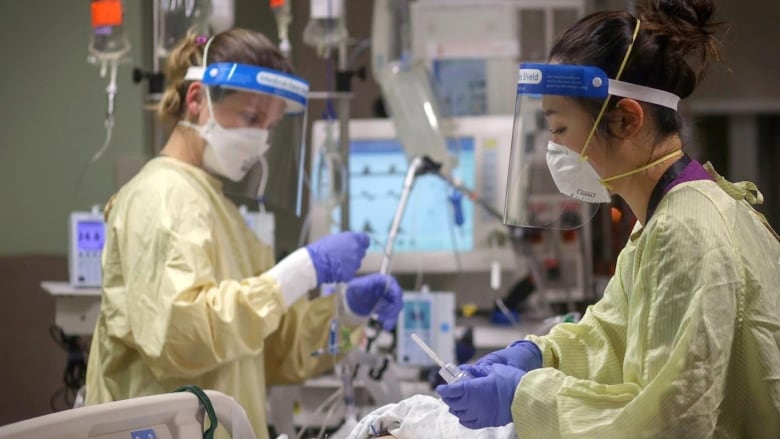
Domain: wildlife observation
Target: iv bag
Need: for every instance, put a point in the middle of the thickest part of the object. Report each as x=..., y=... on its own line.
x=326, y=28
x=283, y=15
x=222, y=15
x=108, y=32
x=177, y=17
x=408, y=91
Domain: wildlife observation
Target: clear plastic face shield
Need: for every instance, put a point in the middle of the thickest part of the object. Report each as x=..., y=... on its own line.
x=555, y=145
x=255, y=131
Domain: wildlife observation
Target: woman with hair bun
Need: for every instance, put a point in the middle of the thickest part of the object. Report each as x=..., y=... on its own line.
x=685, y=342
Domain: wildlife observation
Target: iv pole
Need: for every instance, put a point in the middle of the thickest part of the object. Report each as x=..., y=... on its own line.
x=156, y=134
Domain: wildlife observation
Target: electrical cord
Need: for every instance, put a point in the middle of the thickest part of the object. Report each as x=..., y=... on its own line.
x=329, y=403
x=75, y=373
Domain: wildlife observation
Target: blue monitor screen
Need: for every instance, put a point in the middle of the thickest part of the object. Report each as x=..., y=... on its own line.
x=377, y=169
x=90, y=235
x=417, y=314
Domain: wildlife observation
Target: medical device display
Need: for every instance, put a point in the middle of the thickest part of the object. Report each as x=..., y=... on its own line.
x=376, y=173
x=86, y=238
x=473, y=68
x=450, y=372
x=442, y=230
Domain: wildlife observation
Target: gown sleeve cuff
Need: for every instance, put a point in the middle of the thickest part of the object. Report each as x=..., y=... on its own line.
x=295, y=274
x=548, y=356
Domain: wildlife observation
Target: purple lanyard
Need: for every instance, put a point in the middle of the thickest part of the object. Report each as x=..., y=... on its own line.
x=684, y=169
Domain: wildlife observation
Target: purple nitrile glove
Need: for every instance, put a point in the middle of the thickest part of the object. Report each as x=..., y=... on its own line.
x=376, y=293
x=522, y=354
x=485, y=400
x=337, y=257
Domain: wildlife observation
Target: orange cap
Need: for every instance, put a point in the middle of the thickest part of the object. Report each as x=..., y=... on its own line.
x=106, y=13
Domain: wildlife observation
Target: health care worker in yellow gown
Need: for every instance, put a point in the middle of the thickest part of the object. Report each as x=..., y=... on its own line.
x=685, y=342
x=190, y=296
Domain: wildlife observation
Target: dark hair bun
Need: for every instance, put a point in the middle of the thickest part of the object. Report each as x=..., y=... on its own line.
x=686, y=26
x=696, y=12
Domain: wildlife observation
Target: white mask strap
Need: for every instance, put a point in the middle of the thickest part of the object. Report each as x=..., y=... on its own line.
x=205, y=58
x=188, y=124
x=263, y=179
x=195, y=73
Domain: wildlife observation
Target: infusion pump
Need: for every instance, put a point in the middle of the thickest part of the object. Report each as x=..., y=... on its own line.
x=430, y=315
x=87, y=234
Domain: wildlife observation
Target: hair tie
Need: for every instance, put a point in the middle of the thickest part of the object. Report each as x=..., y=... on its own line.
x=201, y=40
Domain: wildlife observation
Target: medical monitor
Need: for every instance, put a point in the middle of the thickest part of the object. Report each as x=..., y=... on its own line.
x=429, y=239
x=86, y=238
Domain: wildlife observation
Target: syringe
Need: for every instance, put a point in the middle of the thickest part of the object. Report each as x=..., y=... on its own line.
x=448, y=371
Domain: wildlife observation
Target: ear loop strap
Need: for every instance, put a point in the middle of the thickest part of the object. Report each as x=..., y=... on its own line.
x=584, y=157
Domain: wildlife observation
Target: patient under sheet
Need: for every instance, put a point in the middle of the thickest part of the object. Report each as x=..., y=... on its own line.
x=422, y=416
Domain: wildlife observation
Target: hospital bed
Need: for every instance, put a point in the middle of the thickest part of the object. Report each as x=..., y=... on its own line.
x=166, y=416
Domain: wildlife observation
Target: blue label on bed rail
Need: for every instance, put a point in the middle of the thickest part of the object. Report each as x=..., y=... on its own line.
x=143, y=434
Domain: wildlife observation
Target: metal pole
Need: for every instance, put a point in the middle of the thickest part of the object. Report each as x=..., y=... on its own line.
x=156, y=134
x=416, y=166
x=411, y=174
x=343, y=112
x=155, y=35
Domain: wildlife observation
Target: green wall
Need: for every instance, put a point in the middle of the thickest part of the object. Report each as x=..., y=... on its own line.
x=54, y=104
x=53, y=107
